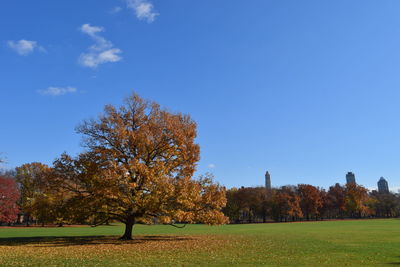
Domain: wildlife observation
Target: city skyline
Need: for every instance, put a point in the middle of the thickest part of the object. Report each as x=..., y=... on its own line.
x=382, y=183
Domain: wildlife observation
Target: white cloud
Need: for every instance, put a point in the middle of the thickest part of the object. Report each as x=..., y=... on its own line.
x=24, y=47
x=211, y=166
x=58, y=91
x=102, y=51
x=395, y=189
x=92, y=59
x=144, y=9
x=91, y=30
x=116, y=10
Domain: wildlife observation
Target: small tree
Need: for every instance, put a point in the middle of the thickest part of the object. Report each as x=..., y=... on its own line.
x=336, y=201
x=138, y=166
x=9, y=196
x=310, y=200
x=286, y=204
x=232, y=208
x=37, y=199
x=356, y=200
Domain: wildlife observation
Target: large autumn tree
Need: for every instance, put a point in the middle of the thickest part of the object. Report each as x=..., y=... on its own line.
x=138, y=166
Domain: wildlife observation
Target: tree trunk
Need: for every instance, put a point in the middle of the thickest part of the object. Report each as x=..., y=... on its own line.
x=128, y=229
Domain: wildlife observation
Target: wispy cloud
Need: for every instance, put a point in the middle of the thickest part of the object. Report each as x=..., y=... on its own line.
x=102, y=51
x=58, y=91
x=211, y=166
x=91, y=30
x=2, y=159
x=144, y=9
x=115, y=10
x=24, y=47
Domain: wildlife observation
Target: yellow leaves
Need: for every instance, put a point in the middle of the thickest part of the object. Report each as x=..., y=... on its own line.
x=184, y=216
x=164, y=219
x=357, y=199
x=212, y=217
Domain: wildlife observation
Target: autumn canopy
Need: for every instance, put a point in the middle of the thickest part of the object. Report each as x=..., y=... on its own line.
x=138, y=165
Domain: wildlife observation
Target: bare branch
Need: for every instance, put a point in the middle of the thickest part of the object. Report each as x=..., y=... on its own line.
x=177, y=226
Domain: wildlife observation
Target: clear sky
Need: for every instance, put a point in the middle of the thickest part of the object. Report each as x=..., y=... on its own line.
x=308, y=90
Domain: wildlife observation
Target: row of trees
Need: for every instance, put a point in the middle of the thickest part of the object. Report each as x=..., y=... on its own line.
x=137, y=166
x=307, y=202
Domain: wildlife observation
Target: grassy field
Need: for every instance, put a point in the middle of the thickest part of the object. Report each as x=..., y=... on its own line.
x=335, y=243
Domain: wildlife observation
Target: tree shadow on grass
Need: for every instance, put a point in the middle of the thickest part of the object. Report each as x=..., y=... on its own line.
x=394, y=263
x=65, y=241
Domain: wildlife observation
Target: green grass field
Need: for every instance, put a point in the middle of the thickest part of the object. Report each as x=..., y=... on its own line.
x=335, y=243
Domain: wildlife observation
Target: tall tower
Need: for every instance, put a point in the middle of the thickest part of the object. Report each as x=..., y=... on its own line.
x=383, y=186
x=350, y=178
x=268, y=181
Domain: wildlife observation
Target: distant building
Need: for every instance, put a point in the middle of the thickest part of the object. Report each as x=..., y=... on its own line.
x=383, y=186
x=350, y=178
x=268, y=181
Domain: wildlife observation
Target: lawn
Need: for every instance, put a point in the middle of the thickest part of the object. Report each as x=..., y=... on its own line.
x=334, y=243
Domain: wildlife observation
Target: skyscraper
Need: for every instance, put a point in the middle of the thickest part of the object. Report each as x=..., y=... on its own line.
x=383, y=186
x=268, y=181
x=350, y=178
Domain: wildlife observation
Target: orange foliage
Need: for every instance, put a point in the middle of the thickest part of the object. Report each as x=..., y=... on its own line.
x=139, y=165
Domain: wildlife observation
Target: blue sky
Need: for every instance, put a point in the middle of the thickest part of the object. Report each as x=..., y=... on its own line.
x=305, y=89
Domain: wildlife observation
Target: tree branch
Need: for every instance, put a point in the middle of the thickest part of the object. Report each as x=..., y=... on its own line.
x=176, y=226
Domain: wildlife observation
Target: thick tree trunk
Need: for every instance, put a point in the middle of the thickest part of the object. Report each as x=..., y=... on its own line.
x=128, y=229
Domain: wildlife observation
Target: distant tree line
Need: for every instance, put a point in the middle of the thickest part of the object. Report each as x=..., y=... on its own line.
x=307, y=202
x=29, y=195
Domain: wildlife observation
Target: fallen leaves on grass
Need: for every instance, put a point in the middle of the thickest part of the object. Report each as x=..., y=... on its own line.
x=71, y=251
